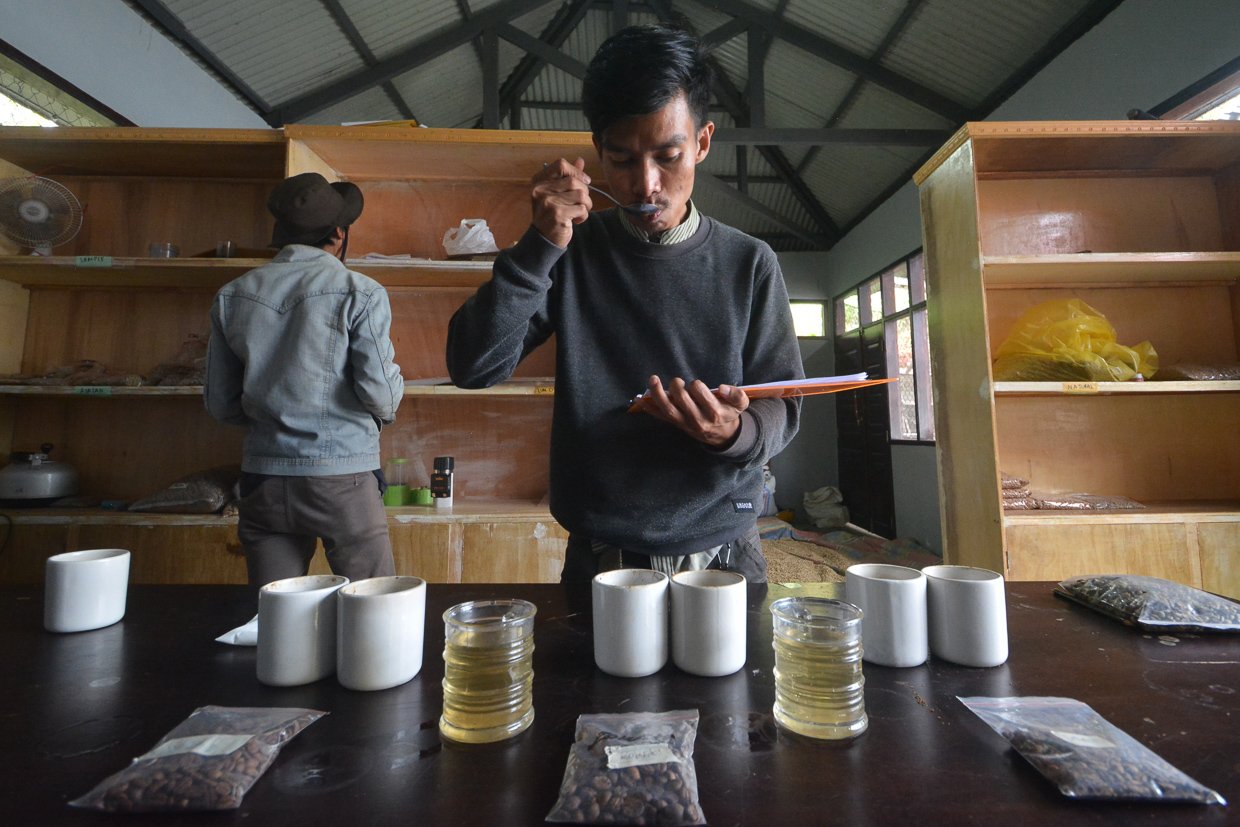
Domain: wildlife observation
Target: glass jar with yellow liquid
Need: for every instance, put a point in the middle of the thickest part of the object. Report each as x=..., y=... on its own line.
x=819, y=687
x=488, y=670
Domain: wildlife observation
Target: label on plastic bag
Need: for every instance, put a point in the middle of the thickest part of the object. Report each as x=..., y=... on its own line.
x=201, y=744
x=637, y=755
x=1080, y=739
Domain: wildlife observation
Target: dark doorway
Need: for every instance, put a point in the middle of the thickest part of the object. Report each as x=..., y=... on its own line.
x=863, y=428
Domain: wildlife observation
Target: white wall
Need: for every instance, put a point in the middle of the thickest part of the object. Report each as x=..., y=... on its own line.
x=107, y=50
x=1141, y=54
x=809, y=462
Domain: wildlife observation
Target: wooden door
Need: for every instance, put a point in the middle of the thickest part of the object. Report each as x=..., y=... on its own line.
x=863, y=432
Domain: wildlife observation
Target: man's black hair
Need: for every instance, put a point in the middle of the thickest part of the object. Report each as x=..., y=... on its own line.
x=639, y=69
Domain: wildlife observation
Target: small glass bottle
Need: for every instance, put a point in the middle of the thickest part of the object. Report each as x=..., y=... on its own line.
x=441, y=481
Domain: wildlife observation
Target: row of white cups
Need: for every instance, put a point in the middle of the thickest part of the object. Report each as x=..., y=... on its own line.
x=957, y=612
x=634, y=607
x=370, y=633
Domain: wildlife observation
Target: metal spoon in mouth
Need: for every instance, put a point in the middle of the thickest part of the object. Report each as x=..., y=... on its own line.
x=632, y=209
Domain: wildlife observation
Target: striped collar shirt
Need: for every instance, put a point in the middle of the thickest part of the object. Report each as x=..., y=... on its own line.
x=681, y=232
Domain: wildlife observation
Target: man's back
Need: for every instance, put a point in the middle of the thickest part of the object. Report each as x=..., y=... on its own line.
x=311, y=364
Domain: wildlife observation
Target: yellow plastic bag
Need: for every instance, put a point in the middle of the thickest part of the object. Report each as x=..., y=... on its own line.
x=1067, y=340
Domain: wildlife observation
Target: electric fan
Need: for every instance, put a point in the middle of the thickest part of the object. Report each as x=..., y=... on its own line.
x=38, y=213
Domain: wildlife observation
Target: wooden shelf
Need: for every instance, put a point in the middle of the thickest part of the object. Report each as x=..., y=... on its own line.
x=1161, y=512
x=210, y=273
x=462, y=511
x=1125, y=148
x=1007, y=211
x=123, y=271
x=1108, y=388
x=532, y=386
x=1118, y=269
x=102, y=299
x=535, y=386
x=140, y=152
x=401, y=153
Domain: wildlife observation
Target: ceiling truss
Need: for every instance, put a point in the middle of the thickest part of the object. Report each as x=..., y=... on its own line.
x=503, y=98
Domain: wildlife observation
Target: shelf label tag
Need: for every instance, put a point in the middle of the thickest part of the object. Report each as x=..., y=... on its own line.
x=544, y=390
x=1080, y=387
x=92, y=261
x=92, y=390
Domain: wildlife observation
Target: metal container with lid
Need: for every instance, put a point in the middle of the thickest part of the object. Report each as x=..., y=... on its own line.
x=34, y=479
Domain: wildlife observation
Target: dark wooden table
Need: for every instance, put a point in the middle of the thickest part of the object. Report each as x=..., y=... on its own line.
x=78, y=707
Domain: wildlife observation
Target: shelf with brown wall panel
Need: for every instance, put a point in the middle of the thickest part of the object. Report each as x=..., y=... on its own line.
x=99, y=297
x=1142, y=222
x=470, y=543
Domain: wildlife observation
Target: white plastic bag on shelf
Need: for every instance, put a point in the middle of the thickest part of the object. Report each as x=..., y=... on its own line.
x=825, y=508
x=472, y=237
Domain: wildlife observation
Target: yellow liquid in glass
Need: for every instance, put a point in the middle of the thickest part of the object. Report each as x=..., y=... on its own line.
x=487, y=687
x=819, y=687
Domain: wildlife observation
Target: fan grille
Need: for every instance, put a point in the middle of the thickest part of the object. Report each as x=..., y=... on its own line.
x=38, y=212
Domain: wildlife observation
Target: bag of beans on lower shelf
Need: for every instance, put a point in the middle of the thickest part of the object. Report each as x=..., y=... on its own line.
x=631, y=768
x=209, y=761
x=1151, y=603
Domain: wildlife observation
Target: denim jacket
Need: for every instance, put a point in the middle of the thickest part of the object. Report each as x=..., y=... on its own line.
x=300, y=354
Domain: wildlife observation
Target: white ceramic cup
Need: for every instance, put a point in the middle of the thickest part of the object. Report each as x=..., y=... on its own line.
x=630, y=621
x=968, y=615
x=297, y=629
x=380, y=626
x=708, y=621
x=85, y=590
x=893, y=600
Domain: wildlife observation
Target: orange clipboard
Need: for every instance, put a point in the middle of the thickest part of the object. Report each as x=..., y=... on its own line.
x=785, y=391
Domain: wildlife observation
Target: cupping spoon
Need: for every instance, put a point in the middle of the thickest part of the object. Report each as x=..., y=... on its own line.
x=632, y=209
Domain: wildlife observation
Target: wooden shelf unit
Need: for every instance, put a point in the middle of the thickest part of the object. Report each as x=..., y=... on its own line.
x=543, y=386
x=1141, y=220
x=99, y=297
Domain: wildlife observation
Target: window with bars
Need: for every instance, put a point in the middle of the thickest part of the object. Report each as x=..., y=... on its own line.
x=31, y=95
x=897, y=298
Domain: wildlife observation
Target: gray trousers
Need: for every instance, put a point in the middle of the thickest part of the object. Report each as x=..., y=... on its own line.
x=282, y=517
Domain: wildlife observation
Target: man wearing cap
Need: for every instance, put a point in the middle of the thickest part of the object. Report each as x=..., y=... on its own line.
x=300, y=355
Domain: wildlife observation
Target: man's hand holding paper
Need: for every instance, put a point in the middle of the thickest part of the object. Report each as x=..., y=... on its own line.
x=709, y=416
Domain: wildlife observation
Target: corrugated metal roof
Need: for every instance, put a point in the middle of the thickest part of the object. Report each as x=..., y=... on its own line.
x=966, y=48
x=906, y=64
x=279, y=50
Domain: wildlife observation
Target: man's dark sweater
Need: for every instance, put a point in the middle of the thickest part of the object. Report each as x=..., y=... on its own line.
x=713, y=307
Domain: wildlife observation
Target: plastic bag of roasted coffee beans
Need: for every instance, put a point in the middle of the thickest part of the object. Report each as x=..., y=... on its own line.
x=1084, y=754
x=631, y=768
x=1153, y=604
x=207, y=762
